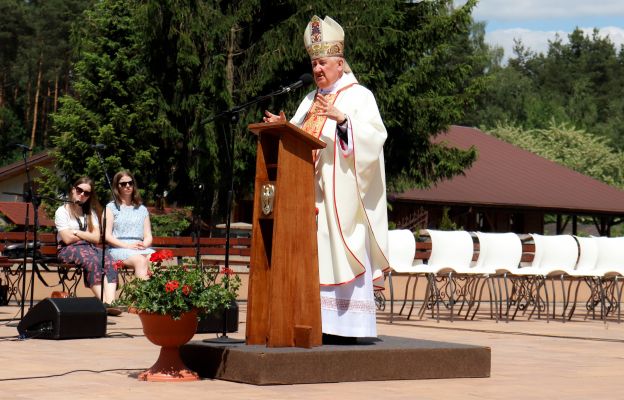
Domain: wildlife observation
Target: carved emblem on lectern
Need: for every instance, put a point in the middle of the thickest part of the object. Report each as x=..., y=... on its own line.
x=267, y=195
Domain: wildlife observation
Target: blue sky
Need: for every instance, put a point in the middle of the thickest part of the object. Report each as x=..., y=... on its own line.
x=537, y=21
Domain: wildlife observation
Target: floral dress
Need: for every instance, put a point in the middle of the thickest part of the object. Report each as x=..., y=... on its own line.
x=83, y=253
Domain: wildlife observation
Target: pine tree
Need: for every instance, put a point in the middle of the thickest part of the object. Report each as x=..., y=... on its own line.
x=153, y=75
x=114, y=103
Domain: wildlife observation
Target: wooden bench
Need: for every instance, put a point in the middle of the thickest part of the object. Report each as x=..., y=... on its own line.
x=69, y=275
x=211, y=252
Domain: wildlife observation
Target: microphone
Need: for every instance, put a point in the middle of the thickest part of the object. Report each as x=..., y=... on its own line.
x=21, y=146
x=99, y=146
x=304, y=80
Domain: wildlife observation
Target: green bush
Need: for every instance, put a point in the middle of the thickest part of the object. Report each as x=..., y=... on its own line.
x=172, y=223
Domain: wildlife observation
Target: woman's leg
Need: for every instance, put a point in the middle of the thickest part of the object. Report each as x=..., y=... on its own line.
x=97, y=291
x=110, y=289
x=90, y=258
x=140, y=263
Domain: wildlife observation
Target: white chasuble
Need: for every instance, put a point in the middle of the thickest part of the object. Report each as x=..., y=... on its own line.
x=350, y=195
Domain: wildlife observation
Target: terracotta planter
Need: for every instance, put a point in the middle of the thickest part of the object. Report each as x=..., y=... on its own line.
x=170, y=334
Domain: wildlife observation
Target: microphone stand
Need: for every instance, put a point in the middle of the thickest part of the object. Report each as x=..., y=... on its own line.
x=224, y=339
x=197, y=211
x=28, y=197
x=35, y=202
x=103, y=233
x=233, y=114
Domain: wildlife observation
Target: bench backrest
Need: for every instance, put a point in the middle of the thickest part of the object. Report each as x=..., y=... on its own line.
x=423, y=251
x=180, y=246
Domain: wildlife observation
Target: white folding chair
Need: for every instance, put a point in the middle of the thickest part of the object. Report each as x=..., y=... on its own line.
x=551, y=253
x=401, y=252
x=451, y=252
x=584, y=271
x=610, y=268
x=555, y=256
x=497, y=251
x=522, y=278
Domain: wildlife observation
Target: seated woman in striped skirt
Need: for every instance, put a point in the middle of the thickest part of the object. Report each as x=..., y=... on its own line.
x=128, y=227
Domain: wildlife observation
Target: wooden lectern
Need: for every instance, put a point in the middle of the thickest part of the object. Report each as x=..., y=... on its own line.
x=283, y=304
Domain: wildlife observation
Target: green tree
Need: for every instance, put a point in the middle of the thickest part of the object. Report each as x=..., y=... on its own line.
x=114, y=103
x=152, y=75
x=13, y=27
x=576, y=83
x=423, y=88
x=35, y=59
x=229, y=52
x=576, y=149
x=186, y=48
x=11, y=131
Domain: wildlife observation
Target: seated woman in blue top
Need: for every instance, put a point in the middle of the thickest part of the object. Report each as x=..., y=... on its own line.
x=128, y=228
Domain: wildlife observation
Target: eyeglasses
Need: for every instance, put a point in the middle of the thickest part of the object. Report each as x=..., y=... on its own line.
x=126, y=184
x=81, y=191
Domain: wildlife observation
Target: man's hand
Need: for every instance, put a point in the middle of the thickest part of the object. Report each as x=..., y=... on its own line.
x=328, y=110
x=270, y=117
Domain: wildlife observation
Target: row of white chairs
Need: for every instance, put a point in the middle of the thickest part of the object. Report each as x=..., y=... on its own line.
x=454, y=277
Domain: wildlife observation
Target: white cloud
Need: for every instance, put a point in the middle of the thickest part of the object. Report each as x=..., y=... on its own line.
x=518, y=10
x=536, y=22
x=615, y=34
x=537, y=41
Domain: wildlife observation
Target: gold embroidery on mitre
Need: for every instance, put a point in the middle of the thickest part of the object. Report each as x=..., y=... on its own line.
x=329, y=49
x=316, y=35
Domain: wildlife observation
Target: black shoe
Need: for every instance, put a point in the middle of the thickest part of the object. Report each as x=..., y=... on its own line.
x=339, y=340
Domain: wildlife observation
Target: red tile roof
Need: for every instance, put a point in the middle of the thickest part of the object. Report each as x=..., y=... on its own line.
x=16, y=168
x=507, y=176
x=15, y=212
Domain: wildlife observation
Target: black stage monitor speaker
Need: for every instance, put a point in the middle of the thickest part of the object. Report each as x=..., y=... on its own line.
x=65, y=318
x=213, y=322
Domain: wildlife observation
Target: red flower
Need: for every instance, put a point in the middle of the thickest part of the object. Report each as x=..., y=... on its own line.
x=186, y=289
x=227, y=271
x=161, y=255
x=171, y=286
x=118, y=265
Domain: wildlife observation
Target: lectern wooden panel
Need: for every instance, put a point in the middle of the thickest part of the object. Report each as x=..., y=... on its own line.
x=283, y=304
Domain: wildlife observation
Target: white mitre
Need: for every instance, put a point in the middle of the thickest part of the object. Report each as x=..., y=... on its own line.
x=324, y=38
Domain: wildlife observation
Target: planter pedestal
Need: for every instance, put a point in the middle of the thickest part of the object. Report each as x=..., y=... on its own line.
x=170, y=334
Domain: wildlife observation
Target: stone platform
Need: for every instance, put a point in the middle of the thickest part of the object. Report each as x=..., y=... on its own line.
x=384, y=359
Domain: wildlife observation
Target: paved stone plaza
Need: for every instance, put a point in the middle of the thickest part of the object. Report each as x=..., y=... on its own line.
x=581, y=359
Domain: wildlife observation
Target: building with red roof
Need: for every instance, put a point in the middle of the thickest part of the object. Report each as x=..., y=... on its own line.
x=508, y=189
x=13, y=184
